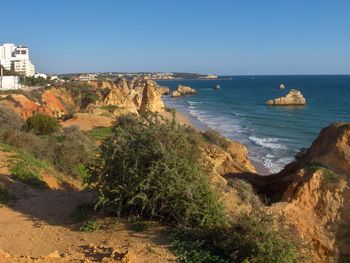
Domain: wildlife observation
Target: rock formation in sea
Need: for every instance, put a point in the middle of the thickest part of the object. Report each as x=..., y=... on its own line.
x=294, y=97
x=183, y=90
x=282, y=86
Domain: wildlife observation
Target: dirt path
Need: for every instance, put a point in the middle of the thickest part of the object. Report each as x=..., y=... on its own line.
x=38, y=227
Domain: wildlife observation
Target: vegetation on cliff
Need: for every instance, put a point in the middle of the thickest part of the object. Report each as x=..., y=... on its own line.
x=41, y=124
x=150, y=168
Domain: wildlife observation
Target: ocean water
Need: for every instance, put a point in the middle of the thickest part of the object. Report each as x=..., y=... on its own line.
x=273, y=135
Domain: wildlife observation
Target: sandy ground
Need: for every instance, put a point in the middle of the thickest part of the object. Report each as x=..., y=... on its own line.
x=38, y=227
x=88, y=121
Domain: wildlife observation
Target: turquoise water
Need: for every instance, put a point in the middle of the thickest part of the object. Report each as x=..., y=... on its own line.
x=273, y=134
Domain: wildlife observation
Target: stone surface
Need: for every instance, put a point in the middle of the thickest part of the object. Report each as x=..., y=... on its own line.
x=151, y=99
x=294, y=97
x=176, y=94
x=185, y=90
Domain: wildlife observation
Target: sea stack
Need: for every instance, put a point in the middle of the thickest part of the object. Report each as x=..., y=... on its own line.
x=217, y=87
x=294, y=97
x=183, y=90
x=282, y=86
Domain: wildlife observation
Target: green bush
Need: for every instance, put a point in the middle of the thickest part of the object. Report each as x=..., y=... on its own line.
x=251, y=239
x=214, y=137
x=150, y=168
x=41, y=124
x=69, y=151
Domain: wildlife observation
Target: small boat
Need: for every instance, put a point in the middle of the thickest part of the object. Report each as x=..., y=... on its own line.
x=217, y=87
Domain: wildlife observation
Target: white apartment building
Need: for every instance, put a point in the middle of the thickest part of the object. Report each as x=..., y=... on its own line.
x=9, y=83
x=16, y=58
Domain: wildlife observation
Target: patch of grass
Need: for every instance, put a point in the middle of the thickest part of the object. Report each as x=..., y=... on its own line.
x=214, y=137
x=27, y=174
x=100, y=133
x=190, y=249
x=137, y=225
x=329, y=176
x=90, y=226
x=109, y=108
x=171, y=110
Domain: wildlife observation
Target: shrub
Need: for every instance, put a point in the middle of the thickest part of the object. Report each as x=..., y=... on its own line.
x=150, y=168
x=251, y=239
x=90, y=226
x=214, y=137
x=41, y=124
x=69, y=151
x=9, y=119
x=245, y=192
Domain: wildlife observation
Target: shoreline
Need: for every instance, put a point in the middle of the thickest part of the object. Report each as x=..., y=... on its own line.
x=187, y=119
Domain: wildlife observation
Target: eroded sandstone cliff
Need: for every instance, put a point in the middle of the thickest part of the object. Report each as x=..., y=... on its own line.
x=312, y=194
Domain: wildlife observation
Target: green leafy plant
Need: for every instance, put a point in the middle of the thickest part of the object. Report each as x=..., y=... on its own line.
x=250, y=239
x=41, y=124
x=151, y=168
x=90, y=226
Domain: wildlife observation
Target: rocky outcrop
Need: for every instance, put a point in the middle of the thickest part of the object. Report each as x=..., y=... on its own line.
x=294, y=97
x=151, y=99
x=234, y=159
x=282, y=86
x=312, y=194
x=183, y=90
x=176, y=94
x=113, y=98
x=163, y=90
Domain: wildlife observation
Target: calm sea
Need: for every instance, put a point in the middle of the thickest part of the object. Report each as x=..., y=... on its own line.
x=273, y=134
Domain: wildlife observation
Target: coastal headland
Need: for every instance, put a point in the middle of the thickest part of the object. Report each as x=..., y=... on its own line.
x=310, y=195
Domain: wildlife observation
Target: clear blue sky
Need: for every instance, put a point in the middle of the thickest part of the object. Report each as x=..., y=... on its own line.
x=223, y=37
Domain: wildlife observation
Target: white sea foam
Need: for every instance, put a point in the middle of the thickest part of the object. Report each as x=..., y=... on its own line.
x=267, y=142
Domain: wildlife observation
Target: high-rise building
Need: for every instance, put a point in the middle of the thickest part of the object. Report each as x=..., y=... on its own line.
x=16, y=58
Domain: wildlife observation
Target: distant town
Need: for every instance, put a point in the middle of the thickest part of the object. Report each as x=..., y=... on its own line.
x=18, y=72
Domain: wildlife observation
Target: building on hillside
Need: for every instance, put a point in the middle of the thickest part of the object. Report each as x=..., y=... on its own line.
x=16, y=58
x=40, y=75
x=9, y=83
x=87, y=77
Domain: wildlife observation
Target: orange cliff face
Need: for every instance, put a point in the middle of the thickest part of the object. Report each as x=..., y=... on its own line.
x=127, y=96
x=50, y=103
x=312, y=194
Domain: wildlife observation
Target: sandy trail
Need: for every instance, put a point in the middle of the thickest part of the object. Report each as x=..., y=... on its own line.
x=38, y=227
